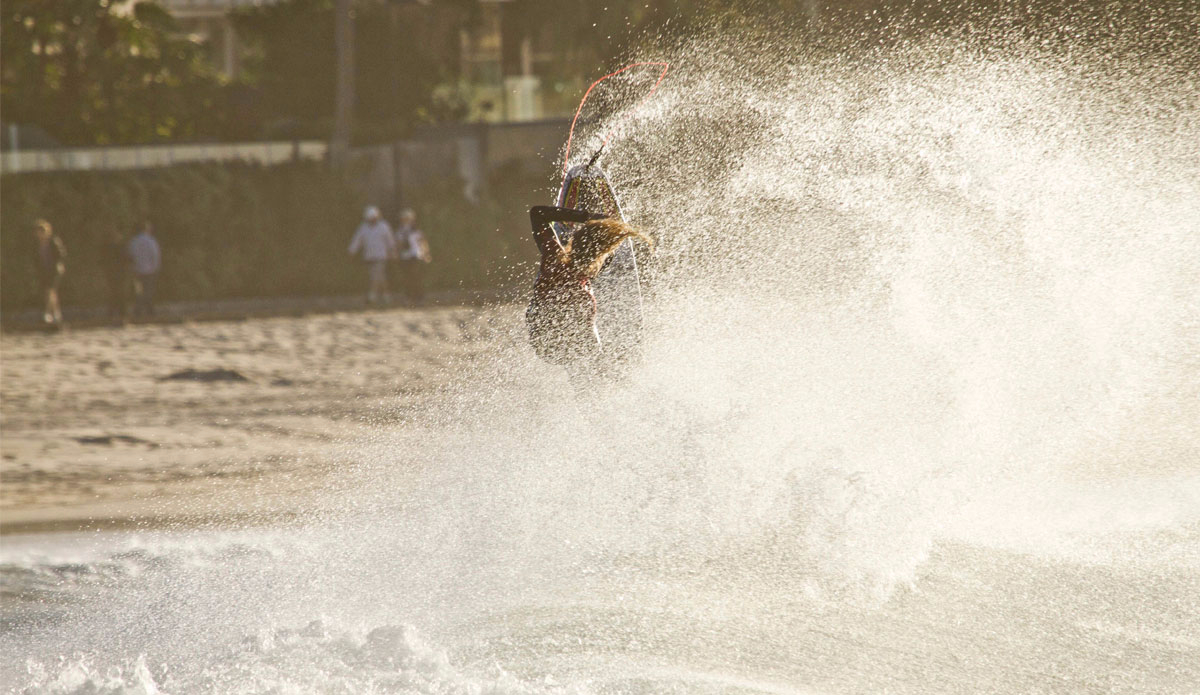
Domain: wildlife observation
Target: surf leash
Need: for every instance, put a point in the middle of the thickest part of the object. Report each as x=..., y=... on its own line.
x=624, y=117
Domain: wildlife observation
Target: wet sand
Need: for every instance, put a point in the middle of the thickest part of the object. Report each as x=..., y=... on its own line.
x=194, y=421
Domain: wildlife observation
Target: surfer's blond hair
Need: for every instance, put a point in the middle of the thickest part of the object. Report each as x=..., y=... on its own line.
x=592, y=244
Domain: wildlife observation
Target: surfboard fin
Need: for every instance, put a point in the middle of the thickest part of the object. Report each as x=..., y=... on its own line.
x=592, y=162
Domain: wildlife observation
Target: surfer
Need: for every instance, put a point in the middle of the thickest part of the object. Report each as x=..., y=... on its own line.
x=562, y=312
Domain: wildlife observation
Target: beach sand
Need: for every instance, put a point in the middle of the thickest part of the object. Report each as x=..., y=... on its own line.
x=96, y=432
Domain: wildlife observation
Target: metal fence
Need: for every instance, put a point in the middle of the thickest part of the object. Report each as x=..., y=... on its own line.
x=153, y=156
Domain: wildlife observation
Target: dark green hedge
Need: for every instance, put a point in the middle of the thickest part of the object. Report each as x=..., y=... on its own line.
x=245, y=231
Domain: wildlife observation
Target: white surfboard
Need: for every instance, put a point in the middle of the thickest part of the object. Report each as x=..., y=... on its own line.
x=617, y=287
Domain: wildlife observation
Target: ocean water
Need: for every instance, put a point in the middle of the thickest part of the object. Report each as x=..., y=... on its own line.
x=917, y=414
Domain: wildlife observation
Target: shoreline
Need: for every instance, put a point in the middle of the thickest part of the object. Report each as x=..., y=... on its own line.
x=243, y=309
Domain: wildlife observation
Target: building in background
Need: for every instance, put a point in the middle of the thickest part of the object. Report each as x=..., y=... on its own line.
x=498, y=60
x=208, y=21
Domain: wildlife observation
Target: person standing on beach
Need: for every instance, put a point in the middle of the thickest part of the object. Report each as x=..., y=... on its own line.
x=146, y=257
x=51, y=257
x=373, y=239
x=114, y=263
x=413, y=253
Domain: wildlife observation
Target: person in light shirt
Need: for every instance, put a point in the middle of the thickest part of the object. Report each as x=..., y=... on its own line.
x=413, y=254
x=374, y=242
x=146, y=257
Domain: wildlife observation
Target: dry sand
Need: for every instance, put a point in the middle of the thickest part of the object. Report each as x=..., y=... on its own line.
x=95, y=433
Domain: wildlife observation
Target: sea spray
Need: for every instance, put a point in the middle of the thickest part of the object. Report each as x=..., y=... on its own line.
x=915, y=304
x=890, y=282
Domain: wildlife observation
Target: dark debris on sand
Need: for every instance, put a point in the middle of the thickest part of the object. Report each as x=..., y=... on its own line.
x=207, y=375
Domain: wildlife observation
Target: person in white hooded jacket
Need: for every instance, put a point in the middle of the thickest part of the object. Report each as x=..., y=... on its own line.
x=373, y=239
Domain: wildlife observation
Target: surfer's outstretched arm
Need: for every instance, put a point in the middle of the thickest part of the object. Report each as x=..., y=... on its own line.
x=541, y=216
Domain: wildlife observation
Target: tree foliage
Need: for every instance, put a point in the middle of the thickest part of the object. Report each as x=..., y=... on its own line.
x=105, y=71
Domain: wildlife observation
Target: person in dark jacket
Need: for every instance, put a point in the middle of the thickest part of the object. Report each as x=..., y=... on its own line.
x=50, y=259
